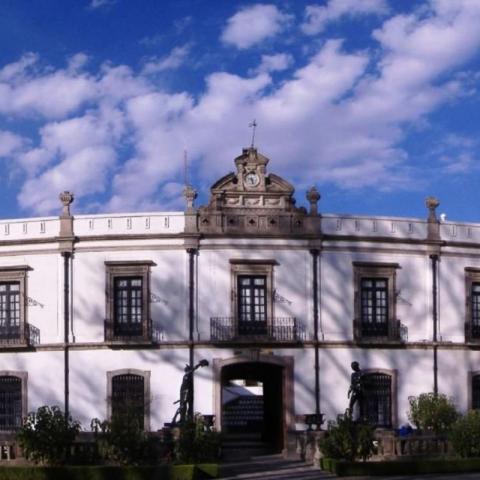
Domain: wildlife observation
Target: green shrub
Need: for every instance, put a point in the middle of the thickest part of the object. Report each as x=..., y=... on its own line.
x=123, y=440
x=348, y=440
x=196, y=444
x=430, y=411
x=401, y=467
x=46, y=435
x=161, y=472
x=465, y=435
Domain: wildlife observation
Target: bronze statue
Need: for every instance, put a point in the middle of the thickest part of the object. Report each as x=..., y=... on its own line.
x=185, y=408
x=355, y=392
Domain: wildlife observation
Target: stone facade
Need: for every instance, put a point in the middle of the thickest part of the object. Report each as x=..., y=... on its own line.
x=279, y=299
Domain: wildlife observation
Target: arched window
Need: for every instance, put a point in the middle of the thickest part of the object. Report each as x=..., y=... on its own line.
x=11, y=404
x=377, y=399
x=129, y=392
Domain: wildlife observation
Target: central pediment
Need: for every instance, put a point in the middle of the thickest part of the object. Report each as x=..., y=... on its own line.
x=251, y=201
x=250, y=187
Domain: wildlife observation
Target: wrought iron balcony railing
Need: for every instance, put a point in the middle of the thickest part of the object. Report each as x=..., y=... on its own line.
x=278, y=329
x=21, y=335
x=132, y=332
x=391, y=331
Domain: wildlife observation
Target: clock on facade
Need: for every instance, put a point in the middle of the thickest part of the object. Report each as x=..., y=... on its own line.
x=252, y=179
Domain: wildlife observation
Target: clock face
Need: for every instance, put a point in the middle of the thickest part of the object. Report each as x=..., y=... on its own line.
x=252, y=179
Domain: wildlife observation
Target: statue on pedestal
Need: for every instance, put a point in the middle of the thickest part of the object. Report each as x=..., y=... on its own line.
x=355, y=393
x=185, y=407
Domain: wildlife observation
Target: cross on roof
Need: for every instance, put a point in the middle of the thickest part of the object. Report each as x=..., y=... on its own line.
x=253, y=126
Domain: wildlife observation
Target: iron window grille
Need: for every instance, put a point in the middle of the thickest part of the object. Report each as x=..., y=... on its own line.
x=377, y=399
x=128, y=398
x=10, y=402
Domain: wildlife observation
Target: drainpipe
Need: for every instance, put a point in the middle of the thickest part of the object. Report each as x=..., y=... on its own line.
x=315, y=254
x=191, y=323
x=66, y=318
x=434, y=259
x=66, y=241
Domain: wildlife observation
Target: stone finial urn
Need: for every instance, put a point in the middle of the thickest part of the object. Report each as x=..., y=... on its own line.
x=313, y=196
x=432, y=204
x=190, y=195
x=67, y=199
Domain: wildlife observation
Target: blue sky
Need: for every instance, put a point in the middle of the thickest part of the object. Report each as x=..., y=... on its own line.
x=375, y=102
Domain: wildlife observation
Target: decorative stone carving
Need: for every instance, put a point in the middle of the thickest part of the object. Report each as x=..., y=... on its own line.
x=432, y=204
x=66, y=223
x=67, y=199
x=252, y=202
x=313, y=196
x=433, y=232
x=190, y=195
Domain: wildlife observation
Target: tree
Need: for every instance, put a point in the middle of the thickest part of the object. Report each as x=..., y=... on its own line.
x=432, y=411
x=46, y=435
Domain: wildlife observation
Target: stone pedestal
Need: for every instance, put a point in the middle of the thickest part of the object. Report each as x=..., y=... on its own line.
x=307, y=446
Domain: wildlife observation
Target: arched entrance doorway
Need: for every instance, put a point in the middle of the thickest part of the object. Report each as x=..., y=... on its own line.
x=254, y=399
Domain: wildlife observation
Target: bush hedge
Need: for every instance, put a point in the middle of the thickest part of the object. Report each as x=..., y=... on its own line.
x=160, y=472
x=348, y=440
x=465, y=435
x=401, y=467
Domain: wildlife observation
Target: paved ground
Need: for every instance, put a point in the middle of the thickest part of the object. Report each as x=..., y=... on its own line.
x=274, y=467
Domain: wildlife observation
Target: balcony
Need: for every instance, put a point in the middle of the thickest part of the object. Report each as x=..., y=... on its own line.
x=136, y=333
x=278, y=329
x=394, y=331
x=24, y=335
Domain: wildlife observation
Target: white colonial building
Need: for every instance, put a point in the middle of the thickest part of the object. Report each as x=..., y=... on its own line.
x=99, y=310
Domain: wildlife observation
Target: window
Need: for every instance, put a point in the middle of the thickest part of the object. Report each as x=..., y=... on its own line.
x=128, y=306
x=128, y=301
x=10, y=309
x=472, y=307
x=128, y=395
x=377, y=399
x=13, y=399
x=252, y=297
x=252, y=310
x=374, y=299
x=13, y=322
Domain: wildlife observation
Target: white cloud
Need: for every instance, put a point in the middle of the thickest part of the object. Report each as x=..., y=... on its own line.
x=27, y=89
x=76, y=154
x=84, y=172
x=461, y=163
x=17, y=69
x=10, y=143
x=77, y=62
x=252, y=25
x=275, y=63
x=175, y=59
x=94, y=4
x=339, y=117
x=317, y=17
